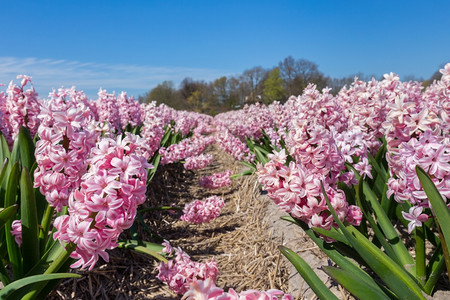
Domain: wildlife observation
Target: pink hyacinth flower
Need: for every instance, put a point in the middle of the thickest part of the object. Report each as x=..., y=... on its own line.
x=202, y=290
x=415, y=217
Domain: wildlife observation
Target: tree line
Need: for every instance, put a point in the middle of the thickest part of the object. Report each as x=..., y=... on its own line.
x=257, y=84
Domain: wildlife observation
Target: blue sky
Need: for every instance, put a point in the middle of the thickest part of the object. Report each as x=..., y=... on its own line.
x=134, y=45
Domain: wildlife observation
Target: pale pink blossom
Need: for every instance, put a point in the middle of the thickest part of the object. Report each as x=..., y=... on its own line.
x=415, y=217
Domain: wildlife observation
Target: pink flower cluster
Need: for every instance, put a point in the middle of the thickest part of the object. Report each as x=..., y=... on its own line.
x=20, y=107
x=180, y=271
x=198, y=212
x=417, y=128
x=106, y=202
x=198, y=162
x=152, y=127
x=353, y=145
x=314, y=147
x=297, y=190
x=108, y=111
x=233, y=145
x=66, y=138
x=323, y=108
x=246, y=123
x=216, y=180
x=193, y=146
x=206, y=289
x=130, y=112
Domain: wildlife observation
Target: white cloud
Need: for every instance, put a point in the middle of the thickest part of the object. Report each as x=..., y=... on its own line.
x=48, y=74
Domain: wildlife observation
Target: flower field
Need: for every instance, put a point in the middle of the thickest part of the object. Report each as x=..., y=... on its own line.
x=90, y=188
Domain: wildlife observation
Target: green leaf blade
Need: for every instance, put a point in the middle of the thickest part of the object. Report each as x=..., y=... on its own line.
x=30, y=232
x=314, y=282
x=437, y=203
x=359, y=288
x=148, y=248
x=17, y=285
x=395, y=277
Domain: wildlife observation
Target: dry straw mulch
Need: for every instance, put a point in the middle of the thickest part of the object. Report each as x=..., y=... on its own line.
x=243, y=240
x=240, y=240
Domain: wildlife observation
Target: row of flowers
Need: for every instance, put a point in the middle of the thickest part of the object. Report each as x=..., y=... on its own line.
x=331, y=162
x=89, y=163
x=376, y=154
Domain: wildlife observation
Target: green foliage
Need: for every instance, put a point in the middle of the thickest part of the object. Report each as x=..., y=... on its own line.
x=12, y=291
x=273, y=87
x=148, y=248
x=308, y=274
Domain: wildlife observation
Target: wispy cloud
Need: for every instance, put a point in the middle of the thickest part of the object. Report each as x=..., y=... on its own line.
x=48, y=74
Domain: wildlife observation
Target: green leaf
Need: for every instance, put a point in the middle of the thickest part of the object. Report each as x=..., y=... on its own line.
x=391, y=234
x=4, y=275
x=338, y=253
x=438, y=203
x=6, y=214
x=245, y=173
x=379, y=169
x=395, y=277
x=155, y=162
x=14, y=253
x=440, y=209
x=3, y=170
x=260, y=156
x=314, y=282
x=144, y=247
x=332, y=233
x=4, y=148
x=359, y=288
x=15, y=286
x=262, y=150
x=30, y=242
x=251, y=166
x=26, y=149
x=364, y=205
x=436, y=267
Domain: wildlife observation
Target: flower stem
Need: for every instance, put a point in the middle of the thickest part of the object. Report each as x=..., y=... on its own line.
x=46, y=221
x=420, y=255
